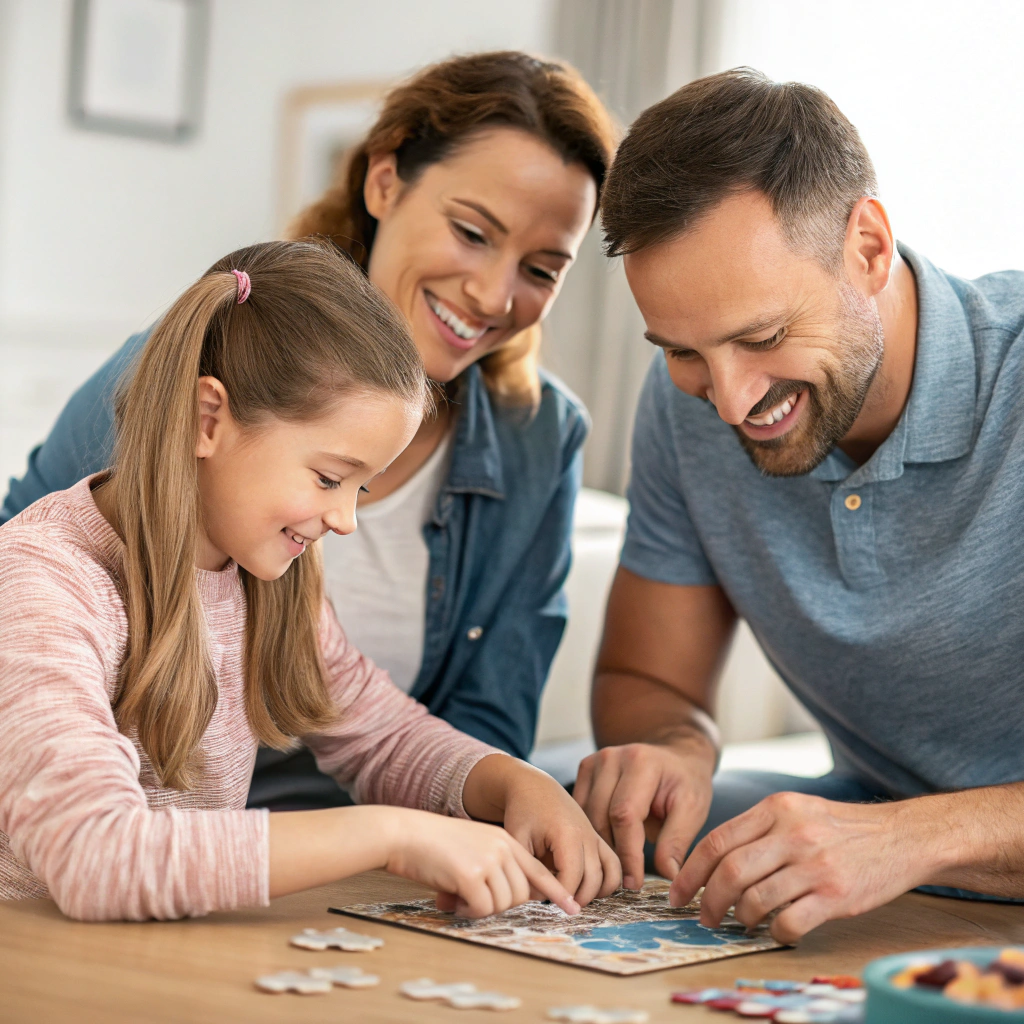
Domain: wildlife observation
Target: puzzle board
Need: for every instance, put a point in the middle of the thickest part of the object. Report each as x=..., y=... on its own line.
x=625, y=933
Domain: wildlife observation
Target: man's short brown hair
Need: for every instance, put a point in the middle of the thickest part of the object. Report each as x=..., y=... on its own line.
x=734, y=132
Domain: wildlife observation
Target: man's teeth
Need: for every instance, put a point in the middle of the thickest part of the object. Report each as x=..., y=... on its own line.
x=460, y=327
x=774, y=415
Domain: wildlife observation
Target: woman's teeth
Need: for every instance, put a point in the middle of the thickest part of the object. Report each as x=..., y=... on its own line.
x=460, y=327
x=774, y=415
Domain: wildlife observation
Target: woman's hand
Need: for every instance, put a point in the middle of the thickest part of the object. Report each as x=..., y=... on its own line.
x=548, y=823
x=476, y=869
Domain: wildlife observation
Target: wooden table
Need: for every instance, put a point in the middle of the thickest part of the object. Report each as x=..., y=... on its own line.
x=55, y=970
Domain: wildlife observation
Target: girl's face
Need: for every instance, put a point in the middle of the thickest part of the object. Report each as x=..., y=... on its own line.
x=268, y=492
x=475, y=249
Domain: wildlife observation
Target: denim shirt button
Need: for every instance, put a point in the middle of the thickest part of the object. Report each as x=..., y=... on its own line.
x=475, y=633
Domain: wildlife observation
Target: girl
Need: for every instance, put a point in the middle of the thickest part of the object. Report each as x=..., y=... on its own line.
x=159, y=620
x=466, y=203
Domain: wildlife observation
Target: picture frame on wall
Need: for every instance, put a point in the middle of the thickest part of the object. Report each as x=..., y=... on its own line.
x=319, y=126
x=137, y=67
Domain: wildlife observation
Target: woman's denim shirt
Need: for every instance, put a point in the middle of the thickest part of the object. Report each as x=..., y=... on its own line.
x=499, y=542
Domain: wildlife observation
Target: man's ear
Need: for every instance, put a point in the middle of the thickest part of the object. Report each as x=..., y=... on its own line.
x=870, y=246
x=382, y=185
x=214, y=416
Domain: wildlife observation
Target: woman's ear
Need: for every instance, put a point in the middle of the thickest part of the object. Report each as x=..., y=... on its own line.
x=382, y=185
x=213, y=416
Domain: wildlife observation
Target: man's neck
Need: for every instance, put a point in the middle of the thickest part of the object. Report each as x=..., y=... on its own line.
x=897, y=309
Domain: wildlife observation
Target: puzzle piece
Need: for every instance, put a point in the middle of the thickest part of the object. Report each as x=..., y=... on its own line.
x=335, y=938
x=596, y=1015
x=460, y=995
x=349, y=977
x=293, y=981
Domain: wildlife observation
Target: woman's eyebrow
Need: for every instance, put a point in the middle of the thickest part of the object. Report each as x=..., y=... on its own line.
x=484, y=212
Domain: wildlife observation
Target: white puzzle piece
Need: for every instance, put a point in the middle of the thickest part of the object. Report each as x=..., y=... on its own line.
x=293, y=981
x=336, y=938
x=596, y=1015
x=349, y=977
x=459, y=995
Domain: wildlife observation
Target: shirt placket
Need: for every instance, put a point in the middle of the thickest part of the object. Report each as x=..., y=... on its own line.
x=853, y=526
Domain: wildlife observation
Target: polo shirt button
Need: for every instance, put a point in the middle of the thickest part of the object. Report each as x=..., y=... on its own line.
x=475, y=633
x=852, y=502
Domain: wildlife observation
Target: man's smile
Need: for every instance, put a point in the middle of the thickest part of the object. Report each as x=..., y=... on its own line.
x=776, y=421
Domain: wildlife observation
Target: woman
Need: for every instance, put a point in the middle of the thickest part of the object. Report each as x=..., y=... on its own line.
x=466, y=204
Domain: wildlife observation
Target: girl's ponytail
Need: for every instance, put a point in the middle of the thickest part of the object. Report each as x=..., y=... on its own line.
x=312, y=331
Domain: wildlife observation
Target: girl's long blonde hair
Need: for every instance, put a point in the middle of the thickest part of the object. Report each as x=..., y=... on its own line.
x=313, y=331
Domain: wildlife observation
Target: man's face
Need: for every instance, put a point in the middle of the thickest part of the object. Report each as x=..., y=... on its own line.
x=784, y=351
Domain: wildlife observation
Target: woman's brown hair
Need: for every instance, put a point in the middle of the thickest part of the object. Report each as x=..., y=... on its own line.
x=425, y=119
x=312, y=332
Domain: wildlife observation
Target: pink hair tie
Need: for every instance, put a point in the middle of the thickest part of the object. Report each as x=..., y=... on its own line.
x=244, y=285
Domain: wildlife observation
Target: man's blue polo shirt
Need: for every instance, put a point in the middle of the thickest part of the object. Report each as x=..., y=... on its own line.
x=898, y=618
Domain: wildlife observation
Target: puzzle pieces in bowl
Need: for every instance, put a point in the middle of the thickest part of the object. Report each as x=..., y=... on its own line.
x=460, y=995
x=597, y=1015
x=335, y=938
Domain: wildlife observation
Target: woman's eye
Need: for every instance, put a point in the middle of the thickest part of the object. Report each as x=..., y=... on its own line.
x=327, y=483
x=470, y=234
x=549, y=276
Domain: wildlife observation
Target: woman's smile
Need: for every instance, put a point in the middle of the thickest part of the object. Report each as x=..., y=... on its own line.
x=457, y=327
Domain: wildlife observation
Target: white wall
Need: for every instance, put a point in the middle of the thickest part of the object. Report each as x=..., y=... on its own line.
x=97, y=232
x=936, y=90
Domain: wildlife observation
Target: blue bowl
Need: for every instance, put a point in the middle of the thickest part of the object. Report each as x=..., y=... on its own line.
x=889, y=1005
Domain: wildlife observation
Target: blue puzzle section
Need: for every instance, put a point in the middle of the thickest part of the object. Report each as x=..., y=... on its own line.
x=642, y=935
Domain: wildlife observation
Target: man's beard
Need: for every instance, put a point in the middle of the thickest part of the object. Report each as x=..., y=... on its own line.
x=833, y=406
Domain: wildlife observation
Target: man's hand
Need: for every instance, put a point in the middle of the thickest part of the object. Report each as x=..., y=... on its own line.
x=811, y=859
x=641, y=790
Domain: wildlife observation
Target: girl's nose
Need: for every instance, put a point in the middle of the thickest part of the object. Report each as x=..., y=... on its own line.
x=341, y=520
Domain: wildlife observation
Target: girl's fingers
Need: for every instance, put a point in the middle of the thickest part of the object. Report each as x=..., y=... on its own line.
x=570, y=862
x=584, y=780
x=611, y=868
x=521, y=891
x=474, y=899
x=590, y=884
x=542, y=881
x=445, y=902
x=501, y=888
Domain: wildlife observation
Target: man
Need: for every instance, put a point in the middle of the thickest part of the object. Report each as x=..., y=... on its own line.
x=833, y=448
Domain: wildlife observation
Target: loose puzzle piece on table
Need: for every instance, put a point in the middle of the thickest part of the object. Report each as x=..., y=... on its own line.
x=625, y=933
x=335, y=938
x=319, y=979
x=596, y=1015
x=460, y=995
x=838, y=1000
x=294, y=981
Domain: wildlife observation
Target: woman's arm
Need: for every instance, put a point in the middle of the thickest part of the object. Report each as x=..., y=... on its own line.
x=81, y=440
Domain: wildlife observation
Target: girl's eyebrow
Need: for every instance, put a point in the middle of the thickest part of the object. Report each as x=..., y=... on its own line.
x=347, y=459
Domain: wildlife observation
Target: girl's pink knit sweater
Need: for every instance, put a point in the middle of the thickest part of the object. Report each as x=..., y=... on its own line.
x=83, y=818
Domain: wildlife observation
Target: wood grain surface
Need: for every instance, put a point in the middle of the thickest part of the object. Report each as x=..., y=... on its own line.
x=55, y=970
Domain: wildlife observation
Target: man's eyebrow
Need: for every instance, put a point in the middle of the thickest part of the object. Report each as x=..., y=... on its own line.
x=347, y=459
x=762, y=323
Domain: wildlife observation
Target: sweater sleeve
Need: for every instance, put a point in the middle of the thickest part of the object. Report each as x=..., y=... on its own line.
x=71, y=803
x=387, y=748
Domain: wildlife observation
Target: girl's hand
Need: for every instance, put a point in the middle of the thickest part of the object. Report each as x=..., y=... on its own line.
x=477, y=869
x=542, y=816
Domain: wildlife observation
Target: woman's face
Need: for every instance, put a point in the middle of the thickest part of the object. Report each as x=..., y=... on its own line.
x=475, y=249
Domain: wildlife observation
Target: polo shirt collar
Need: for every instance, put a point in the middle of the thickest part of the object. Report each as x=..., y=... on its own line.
x=938, y=420
x=476, y=465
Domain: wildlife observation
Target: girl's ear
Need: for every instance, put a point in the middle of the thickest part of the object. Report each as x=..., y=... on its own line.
x=213, y=416
x=382, y=184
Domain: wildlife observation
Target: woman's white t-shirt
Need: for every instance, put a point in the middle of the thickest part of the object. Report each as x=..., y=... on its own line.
x=377, y=576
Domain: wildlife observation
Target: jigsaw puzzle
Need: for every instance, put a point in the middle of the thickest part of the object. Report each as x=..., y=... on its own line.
x=625, y=933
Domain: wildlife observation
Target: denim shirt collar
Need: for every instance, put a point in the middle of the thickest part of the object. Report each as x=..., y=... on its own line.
x=476, y=452
x=938, y=420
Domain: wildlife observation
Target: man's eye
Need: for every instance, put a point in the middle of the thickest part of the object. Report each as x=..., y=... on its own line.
x=327, y=483
x=763, y=346
x=682, y=355
x=548, y=276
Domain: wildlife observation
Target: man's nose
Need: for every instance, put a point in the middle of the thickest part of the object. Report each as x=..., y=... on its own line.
x=734, y=390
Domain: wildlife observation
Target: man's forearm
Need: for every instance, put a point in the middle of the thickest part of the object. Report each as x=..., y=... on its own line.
x=627, y=708
x=973, y=839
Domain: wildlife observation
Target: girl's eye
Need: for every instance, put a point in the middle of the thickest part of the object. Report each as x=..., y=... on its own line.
x=469, y=233
x=327, y=483
x=364, y=489
x=763, y=346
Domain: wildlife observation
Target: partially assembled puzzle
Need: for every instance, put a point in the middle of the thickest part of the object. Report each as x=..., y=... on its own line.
x=625, y=933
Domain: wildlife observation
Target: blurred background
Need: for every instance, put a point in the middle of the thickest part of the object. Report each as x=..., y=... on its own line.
x=140, y=140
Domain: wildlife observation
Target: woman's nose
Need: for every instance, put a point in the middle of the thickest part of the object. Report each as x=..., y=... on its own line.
x=492, y=290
